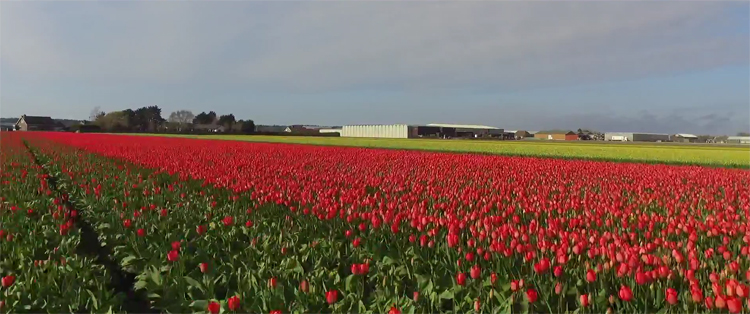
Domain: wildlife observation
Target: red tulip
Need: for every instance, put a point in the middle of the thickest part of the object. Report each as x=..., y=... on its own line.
x=203, y=267
x=228, y=220
x=542, y=266
x=590, y=275
x=671, y=296
x=355, y=269
x=625, y=294
x=201, y=229
x=531, y=295
x=332, y=296
x=214, y=307
x=476, y=272
x=461, y=279
x=272, y=282
x=233, y=303
x=709, y=301
x=141, y=232
x=173, y=256
x=557, y=271
x=734, y=305
x=304, y=286
x=394, y=310
x=720, y=302
x=584, y=299
x=514, y=285
x=8, y=281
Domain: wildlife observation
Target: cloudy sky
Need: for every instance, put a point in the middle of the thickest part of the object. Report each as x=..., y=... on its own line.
x=612, y=66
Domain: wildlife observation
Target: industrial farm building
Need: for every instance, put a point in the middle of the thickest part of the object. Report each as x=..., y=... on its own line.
x=635, y=137
x=417, y=131
x=738, y=140
x=685, y=138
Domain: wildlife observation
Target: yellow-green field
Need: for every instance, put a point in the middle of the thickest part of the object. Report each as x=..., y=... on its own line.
x=669, y=153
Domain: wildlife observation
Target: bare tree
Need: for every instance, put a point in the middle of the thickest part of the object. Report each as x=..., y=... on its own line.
x=113, y=121
x=181, y=117
x=96, y=113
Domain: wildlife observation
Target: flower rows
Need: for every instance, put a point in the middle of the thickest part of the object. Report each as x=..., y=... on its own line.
x=40, y=268
x=254, y=227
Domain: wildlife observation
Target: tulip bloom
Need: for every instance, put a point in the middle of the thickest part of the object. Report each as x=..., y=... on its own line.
x=461, y=279
x=214, y=307
x=531, y=295
x=625, y=294
x=8, y=281
x=332, y=296
x=173, y=256
x=233, y=303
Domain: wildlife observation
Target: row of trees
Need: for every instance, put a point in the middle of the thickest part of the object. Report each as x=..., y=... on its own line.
x=149, y=119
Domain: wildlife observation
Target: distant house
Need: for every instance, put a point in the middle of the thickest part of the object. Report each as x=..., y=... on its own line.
x=272, y=129
x=557, y=135
x=304, y=129
x=4, y=126
x=685, y=138
x=36, y=123
x=519, y=134
x=212, y=128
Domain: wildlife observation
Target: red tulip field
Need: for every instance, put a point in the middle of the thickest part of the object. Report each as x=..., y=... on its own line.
x=115, y=223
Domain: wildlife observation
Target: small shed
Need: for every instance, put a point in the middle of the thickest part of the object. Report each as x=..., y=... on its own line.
x=557, y=135
x=35, y=123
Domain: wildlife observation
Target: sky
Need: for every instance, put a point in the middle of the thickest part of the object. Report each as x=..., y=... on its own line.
x=630, y=66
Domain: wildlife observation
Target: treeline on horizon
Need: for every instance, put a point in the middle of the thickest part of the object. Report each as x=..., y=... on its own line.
x=149, y=119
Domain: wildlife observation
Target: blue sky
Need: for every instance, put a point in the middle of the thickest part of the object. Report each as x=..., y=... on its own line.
x=660, y=66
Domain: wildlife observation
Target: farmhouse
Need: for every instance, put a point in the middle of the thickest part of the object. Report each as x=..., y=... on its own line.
x=7, y=126
x=519, y=134
x=420, y=131
x=35, y=123
x=272, y=129
x=738, y=139
x=635, y=137
x=213, y=128
x=558, y=135
x=685, y=138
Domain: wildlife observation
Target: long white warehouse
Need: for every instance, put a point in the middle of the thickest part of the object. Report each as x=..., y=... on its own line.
x=381, y=131
x=421, y=131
